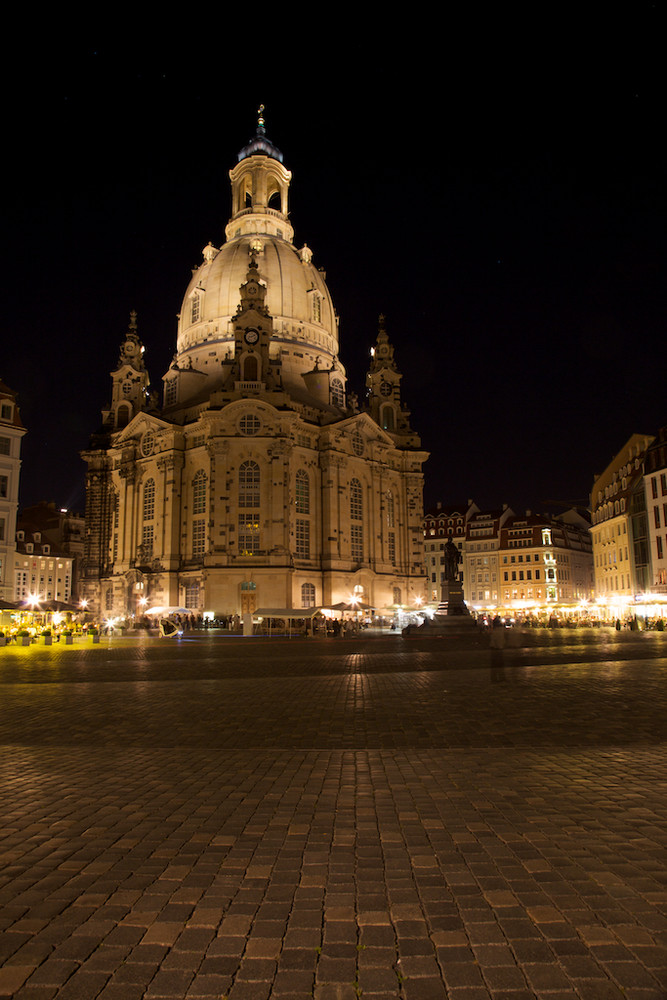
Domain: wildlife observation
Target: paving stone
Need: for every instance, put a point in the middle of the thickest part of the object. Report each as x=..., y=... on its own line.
x=356, y=805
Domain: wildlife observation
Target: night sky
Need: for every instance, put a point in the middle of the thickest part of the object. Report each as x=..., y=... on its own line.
x=496, y=189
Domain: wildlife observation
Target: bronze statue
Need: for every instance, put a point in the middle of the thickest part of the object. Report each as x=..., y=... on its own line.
x=452, y=560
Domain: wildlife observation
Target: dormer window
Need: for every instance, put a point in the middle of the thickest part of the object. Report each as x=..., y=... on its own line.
x=195, y=308
x=7, y=411
x=29, y=547
x=46, y=549
x=170, y=392
x=337, y=392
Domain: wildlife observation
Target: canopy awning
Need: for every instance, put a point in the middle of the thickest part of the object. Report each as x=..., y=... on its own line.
x=289, y=613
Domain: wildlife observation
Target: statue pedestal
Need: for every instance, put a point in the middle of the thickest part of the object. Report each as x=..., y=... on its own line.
x=451, y=616
x=452, y=603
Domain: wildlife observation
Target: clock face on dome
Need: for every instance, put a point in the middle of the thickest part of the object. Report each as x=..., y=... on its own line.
x=251, y=336
x=251, y=288
x=385, y=388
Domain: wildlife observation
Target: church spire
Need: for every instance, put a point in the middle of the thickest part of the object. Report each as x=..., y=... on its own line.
x=384, y=389
x=130, y=382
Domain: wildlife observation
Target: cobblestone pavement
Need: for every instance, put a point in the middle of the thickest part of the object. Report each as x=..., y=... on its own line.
x=338, y=819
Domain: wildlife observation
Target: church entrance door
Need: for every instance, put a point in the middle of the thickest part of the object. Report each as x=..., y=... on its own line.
x=248, y=601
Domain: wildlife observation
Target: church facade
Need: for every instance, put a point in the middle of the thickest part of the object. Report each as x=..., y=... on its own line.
x=258, y=480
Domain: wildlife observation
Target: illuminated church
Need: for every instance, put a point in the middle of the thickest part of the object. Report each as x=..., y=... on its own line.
x=260, y=481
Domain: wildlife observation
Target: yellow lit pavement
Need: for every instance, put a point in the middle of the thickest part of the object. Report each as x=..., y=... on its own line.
x=367, y=818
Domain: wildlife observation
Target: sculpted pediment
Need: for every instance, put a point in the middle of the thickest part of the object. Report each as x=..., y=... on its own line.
x=138, y=426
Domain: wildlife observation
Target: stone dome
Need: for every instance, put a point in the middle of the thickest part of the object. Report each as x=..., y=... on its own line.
x=297, y=295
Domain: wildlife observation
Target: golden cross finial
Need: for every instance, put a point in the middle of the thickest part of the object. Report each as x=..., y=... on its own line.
x=260, y=120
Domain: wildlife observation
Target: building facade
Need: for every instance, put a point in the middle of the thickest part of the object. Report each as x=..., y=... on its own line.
x=655, y=492
x=545, y=561
x=510, y=562
x=619, y=527
x=42, y=571
x=258, y=480
x=11, y=432
x=64, y=530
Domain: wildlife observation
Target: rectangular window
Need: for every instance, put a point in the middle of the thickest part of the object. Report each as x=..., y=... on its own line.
x=248, y=533
x=302, y=539
x=5, y=446
x=357, y=542
x=663, y=483
x=659, y=544
x=198, y=536
x=192, y=595
x=654, y=487
x=656, y=516
x=392, y=549
x=147, y=541
x=4, y=486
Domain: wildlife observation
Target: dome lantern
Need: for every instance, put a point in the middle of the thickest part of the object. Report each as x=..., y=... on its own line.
x=260, y=185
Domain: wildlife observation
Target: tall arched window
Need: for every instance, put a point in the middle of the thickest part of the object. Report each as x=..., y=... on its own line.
x=249, y=508
x=249, y=485
x=302, y=492
x=307, y=595
x=388, y=419
x=356, y=514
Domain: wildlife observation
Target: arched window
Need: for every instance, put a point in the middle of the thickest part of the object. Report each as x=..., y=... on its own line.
x=337, y=392
x=124, y=413
x=199, y=493
x=387, y=419
x=397, y=595
x=250, y=368
x=302, y=492
x=249, y=485
x=307, y=595
x=149, y=500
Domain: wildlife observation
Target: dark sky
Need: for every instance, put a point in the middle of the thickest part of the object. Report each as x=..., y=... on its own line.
x=496, y=188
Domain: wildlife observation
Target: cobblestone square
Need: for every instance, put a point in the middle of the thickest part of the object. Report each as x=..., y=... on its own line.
x=372, y=818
